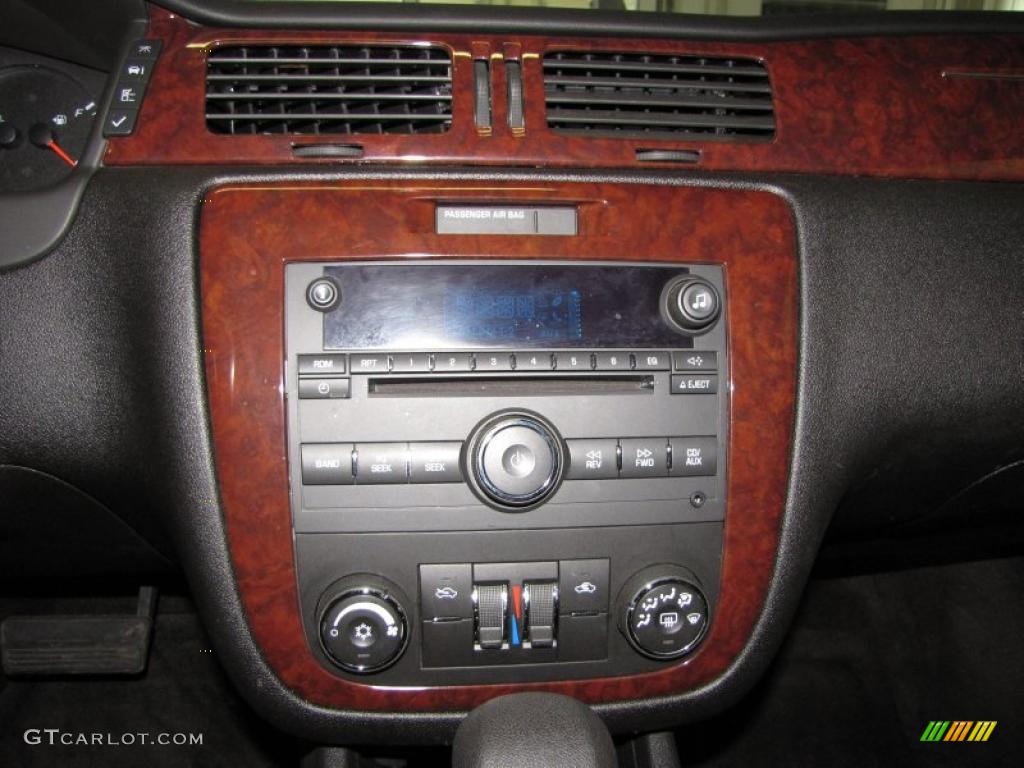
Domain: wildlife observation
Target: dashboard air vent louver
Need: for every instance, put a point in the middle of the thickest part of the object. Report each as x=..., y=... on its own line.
x=328, y=90
x=647, y=96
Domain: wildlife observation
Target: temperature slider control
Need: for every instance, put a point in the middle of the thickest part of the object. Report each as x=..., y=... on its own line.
x=523, y=616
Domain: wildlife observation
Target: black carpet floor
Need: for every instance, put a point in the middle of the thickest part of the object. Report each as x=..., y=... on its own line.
x=870, y=661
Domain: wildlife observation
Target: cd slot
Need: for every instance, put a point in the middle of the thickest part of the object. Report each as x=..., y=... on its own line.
x=511, y=386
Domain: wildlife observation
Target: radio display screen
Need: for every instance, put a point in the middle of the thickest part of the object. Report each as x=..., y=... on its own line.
x=432, y=306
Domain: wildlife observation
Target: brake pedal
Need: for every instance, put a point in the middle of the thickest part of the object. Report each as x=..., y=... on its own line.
x=79, y=644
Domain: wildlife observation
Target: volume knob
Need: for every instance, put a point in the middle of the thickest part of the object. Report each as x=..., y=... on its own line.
x=516, y=460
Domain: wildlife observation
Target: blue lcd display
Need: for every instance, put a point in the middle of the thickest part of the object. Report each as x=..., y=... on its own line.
x=505, y=316
x=448, y=306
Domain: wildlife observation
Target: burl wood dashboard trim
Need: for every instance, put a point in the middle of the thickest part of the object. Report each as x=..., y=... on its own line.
x=860, y=106
x=249, y=233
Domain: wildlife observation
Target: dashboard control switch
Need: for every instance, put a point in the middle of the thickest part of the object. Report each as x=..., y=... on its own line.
x=540, y=601
x=665, y=615
x=364, y=629
x=435, y=463
x=644, y=457
x=327, y=464
x=693, y=456
x=694, y=384
x=490, y=608
x=516, y=460
x=322, y=365
x=583, y=586
x=324, y=389
x=381, y=463
x=593, y=459
x=446, y=591
x=692, y=304
x=323, y=294
x=691, y=360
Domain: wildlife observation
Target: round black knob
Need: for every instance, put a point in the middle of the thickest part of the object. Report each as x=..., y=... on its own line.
x=363, y=629
x=323, y=294
x=516, y=460
x=664, y=614
x=9, y=136
x=41, y=135
x=692, y=304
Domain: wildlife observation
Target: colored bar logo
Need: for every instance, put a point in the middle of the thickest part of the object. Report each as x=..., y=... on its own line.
x=958, y=730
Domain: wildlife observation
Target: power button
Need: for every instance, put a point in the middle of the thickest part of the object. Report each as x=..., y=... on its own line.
x=516, y=460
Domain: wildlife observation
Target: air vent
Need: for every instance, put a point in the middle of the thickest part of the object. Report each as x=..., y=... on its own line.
x=329, y=90
x=639, y=95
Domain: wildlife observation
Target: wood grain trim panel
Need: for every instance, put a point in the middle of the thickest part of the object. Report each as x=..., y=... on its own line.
x=248, y=234
x=864, y=106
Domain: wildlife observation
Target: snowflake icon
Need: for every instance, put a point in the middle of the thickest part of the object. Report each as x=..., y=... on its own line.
x=364, y=632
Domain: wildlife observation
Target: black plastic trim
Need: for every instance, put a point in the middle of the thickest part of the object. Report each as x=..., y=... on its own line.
x=550, y=21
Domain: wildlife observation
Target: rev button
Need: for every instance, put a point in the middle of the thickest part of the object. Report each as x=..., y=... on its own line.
x=592, y=459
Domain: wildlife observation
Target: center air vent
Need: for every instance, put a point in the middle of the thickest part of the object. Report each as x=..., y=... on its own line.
x=644, y=96
x=329, y=90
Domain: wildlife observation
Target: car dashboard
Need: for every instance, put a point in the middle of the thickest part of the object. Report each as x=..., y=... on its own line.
x=448, y=356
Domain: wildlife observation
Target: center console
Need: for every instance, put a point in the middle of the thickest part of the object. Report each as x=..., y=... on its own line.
x=524, y=460
x=475, y=439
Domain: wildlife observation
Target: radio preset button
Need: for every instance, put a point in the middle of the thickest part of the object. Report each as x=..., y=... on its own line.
x=612, y=361
x=493, y=362
x=695, y=361
x=324, y=389
x=369, y=363
x=694, y=385
x=651, y=361
x=644, y=457
x=327, y=464
x=573, y=361
x=694, y=456
x=533, y=361
x=380, y=463
x=452, y=362
x=415, y=362
x=593, y=459
x=434, y=463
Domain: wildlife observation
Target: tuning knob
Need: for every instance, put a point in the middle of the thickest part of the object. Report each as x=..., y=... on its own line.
x=515, y=460
x=663, y=613
x=363, y=627
x=692, y=304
